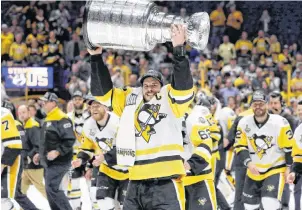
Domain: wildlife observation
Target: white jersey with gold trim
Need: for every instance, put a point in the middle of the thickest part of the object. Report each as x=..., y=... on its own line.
x=266, y=144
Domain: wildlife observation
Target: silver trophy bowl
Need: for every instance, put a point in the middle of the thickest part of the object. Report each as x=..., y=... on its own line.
x=138, y=25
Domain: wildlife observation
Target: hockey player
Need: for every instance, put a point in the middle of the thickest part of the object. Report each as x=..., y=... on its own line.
x=296, y=175
x=11, y=146
x=263, y=145
x=149, y=139
x=91, y=171
x=226, y=117
x=199, y=182
x=99, y=134
x=78, y=117
x=20, y=197
x=218, y=153
x=239, y=168
x=277, y=106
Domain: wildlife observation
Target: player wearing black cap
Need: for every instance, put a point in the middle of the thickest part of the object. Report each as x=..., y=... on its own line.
x=149, y=137
x=56, y=150
x=78, y=117
x=263, y=143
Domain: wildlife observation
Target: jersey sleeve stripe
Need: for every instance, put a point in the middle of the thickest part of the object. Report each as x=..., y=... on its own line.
x=11, y=138
x=180, y=100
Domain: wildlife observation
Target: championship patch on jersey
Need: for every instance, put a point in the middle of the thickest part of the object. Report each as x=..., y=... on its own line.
x=261, y=144
x=131, y=100
x=146, y=118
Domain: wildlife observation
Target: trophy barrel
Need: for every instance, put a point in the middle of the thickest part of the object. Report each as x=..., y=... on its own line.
x=117, y=24
x=137, y=25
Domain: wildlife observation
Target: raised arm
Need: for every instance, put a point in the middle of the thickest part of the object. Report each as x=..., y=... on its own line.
x=180, y=91
x=102, y=86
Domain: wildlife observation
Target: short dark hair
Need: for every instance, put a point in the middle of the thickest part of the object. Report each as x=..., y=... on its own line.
x=300, y=102
x=32, y=106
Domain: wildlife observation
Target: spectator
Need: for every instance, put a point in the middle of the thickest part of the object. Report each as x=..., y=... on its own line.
x=227, y=50
x=76, y=84
x=262, y=44
x=265, y=87
x=35, y=34
x=7, y=39
x=84, y=68
x=274, y=82
x=64, y=15
x=158, y=55
x=232, y=102
x=244, y=49
x=73, y=48
x=40, y=22
x=34, y=53
x=52, y=50
x=257, y=82
x=233, y=69
x=15, y=28
x=204, y=63
x=294, y=50
x=265, y=20
x=285, y=58
x=239, y=81
x=118, y=79
x=18, y=51
x=133, y=80
x=165, y=70
x=299, y=68
x=275, y=48
x=213, y=73
x=183, y=14
x=234, y=22
x=228, y=91
x=217, y=18
x=143, y=66
x=124, y=69
x=64, y=74
x=296, y=84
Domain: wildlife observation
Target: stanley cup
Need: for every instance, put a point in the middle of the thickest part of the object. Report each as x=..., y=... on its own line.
x=138, y=25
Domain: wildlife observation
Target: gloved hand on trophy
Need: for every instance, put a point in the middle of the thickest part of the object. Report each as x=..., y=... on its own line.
x=138, y=25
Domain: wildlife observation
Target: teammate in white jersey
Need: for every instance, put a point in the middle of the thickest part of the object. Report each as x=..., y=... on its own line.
x=77, y=116
x=296, y=175
x=199, y=182
x=99, y=134
x=263, y=143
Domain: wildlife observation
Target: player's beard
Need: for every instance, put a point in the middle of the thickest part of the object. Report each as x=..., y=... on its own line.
x=78, y=107
x=259, y=112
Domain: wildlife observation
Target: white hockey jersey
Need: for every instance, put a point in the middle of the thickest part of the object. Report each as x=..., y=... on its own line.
x=226, y=117
x=297, y=145
x=98, y=139
x=265, y=145
x=154, y=128
x=199, y=152
x=78, y=123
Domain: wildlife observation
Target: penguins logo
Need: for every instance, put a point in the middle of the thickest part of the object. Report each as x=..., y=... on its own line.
x=260, y=144
x=147, y=117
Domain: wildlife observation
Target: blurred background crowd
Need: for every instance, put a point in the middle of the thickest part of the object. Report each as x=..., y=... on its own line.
x=252, y=45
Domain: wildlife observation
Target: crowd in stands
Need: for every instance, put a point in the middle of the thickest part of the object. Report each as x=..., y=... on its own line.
x=238, y=59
